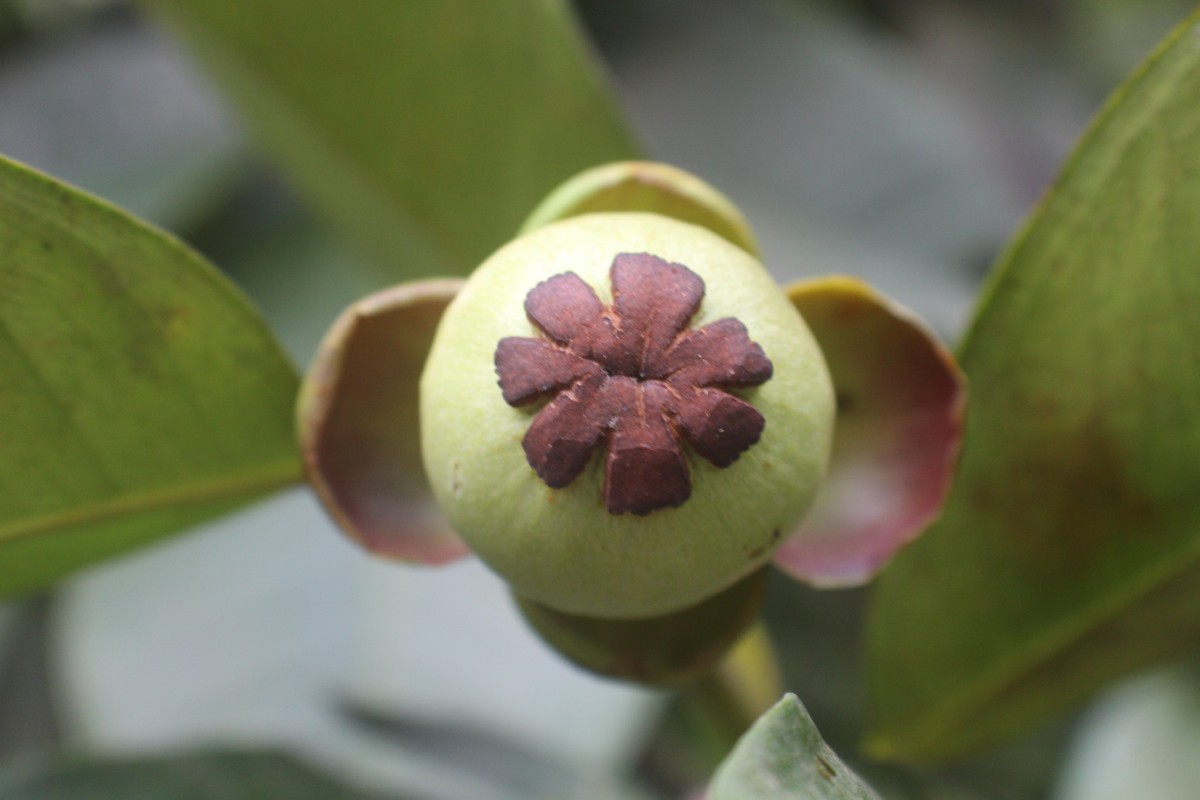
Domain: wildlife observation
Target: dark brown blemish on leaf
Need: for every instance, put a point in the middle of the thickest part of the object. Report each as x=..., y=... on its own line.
x=825, y=769
x=1069, y=497
x=633, y=378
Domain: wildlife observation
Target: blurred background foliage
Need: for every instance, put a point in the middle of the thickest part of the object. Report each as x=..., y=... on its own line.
x=899, y=140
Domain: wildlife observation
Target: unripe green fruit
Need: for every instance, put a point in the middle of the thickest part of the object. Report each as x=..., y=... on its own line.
x=563, y=547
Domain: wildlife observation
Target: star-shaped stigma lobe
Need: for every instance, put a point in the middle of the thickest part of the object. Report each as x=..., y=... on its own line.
x=634, y=377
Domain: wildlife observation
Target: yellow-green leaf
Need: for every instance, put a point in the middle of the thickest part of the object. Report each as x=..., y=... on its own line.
x=427, y=130
x=139, y=391
x=1069, y=552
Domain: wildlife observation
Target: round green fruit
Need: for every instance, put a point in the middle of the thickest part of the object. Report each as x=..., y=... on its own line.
x=622, y=415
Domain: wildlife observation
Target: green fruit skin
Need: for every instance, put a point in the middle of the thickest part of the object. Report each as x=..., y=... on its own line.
x=561, y=547
x=666, y=650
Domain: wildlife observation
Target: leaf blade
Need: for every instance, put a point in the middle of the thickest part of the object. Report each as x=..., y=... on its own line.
x=425, y=130
x=136, y=381
x=783, y=757
x=1070, y=548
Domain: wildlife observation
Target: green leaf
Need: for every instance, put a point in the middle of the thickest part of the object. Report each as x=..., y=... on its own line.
x=1069, y=552
x=426, y=130
x=782, y=757
x=139, y=392
x=208, y=775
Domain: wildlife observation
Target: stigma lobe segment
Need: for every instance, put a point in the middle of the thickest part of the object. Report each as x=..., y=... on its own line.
x=655, y=300
x=537, y=369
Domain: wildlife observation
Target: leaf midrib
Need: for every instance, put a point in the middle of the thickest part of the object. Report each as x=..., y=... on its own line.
x=262, y=480
x=1003, y=673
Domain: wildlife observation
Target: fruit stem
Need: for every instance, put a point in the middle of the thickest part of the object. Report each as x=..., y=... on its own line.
x=732, y=695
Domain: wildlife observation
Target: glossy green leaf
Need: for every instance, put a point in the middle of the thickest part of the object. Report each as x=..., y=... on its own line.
x=139, y=392
x=783, y=757
x=1069, y=552
x=205, y=775
x=428, y=130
